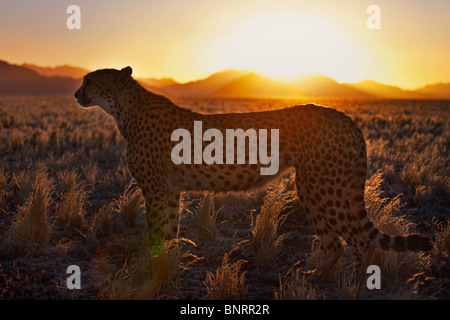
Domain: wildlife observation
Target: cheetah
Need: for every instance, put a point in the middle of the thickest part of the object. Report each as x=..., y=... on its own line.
x=324, y=146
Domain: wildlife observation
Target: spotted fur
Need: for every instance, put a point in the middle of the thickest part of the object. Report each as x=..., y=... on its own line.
x=324, y=146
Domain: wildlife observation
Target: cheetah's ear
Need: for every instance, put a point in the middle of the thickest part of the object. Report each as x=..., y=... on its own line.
x=127, y=71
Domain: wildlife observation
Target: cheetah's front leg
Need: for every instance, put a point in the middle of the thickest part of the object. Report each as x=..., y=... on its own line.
x=172, y=222
x=156, y=206
x=162, y=212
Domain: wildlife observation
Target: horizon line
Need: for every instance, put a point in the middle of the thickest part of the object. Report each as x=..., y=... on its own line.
x=291, y=80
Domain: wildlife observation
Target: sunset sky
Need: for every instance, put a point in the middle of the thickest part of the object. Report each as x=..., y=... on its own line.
x=190, y=39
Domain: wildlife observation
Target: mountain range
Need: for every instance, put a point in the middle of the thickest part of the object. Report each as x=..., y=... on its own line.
x=29, y=79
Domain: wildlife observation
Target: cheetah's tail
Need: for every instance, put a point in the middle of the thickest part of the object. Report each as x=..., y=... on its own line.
x=409, y=242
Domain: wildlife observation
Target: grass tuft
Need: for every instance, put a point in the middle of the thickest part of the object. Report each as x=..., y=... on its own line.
x=143, y=275
x=70, y=210
x=206, y=218
x=265, y=239
x=30, y=232
x=129, y=205
x=295, y=288
x=226, y=283
x=443, y=237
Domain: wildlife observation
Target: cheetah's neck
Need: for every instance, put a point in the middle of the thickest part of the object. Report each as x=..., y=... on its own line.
x=130, y=102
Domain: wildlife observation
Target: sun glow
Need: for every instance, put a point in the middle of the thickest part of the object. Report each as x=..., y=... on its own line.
x=286, y=44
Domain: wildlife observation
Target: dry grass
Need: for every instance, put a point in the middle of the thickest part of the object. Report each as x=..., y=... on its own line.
x=102, y=224
x=227, y=283
x=143, y=275
x=443, y=237
x=265, y=239
x=296, y=287
x=382, y=210
x=15, y=141
x=129, y=204
x=4, y=194
x=39, y=139
x=89, y=174
x=70, y=210
x=67, y=179
x=206, y=218
x=346, y=288
x=30, y=232
x=21, y=185
x=313, y=257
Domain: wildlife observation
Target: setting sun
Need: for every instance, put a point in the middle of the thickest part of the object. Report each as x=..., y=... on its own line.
x=190, y=39
x=286, y=44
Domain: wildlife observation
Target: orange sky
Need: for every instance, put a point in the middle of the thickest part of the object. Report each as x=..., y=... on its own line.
x=190, y=39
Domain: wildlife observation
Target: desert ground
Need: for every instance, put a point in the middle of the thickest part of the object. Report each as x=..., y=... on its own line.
x=67, y=198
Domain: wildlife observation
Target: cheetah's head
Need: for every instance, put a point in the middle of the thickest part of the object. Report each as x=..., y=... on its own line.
x=100, y=87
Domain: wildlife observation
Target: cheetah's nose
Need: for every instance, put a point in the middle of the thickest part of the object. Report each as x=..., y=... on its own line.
x=77, y=93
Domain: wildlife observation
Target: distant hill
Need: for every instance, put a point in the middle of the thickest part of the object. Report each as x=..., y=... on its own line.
x=319, y=85
x=207, y=86
x=59, y=71
x=18, y=80
x=158, y=83
x=380, y=90
x=29, y=79
x=256, y=86
x=439, y=90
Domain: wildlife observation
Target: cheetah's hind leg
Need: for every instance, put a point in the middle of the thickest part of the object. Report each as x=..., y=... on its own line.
x=330, y=243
